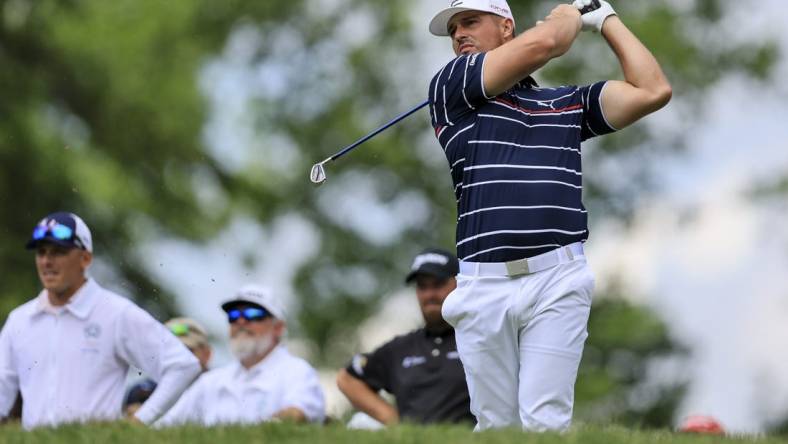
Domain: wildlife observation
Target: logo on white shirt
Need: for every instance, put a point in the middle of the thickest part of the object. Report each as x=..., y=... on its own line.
x=92, y=330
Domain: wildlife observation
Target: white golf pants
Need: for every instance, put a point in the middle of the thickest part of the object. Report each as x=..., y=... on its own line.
x=520, y=341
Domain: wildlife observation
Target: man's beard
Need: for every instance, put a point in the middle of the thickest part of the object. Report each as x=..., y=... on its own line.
x=244, y=346
x=435, y=323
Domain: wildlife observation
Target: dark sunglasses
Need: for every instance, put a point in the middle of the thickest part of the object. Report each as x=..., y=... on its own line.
x=58, y=231
x=250, y=314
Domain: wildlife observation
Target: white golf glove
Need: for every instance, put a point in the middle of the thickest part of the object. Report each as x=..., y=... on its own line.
x=593, y=20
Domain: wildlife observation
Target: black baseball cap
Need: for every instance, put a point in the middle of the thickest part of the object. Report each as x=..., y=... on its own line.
x=139, y=392
x=434, y=262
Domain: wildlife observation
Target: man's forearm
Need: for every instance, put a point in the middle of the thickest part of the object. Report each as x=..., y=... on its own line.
x=171, y=386
x=513, y=61
x=292, y=414
x=638, y=64
x=365, y=399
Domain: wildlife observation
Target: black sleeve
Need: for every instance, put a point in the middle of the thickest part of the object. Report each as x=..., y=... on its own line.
x=375, y=368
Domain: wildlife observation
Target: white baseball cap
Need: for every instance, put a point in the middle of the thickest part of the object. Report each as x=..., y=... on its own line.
x=257, y=295
x=440, y=23
x=62, y=228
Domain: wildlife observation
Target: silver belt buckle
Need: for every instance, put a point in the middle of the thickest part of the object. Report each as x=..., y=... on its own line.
x=517, y=268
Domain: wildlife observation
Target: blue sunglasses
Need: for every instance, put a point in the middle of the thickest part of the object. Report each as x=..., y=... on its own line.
x=250, y=314
x=58, y=231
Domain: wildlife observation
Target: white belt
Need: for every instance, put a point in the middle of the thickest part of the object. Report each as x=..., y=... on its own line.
x=522, y=267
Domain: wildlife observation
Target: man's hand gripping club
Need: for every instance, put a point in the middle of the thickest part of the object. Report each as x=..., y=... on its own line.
x=594, y=13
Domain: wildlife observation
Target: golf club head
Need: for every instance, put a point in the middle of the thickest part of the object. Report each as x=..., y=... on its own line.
x=318, y=174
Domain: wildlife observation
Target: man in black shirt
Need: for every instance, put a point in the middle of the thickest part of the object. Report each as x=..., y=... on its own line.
x=421, y=369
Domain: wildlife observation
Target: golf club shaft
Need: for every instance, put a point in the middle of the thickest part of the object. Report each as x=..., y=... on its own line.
x=377, y=131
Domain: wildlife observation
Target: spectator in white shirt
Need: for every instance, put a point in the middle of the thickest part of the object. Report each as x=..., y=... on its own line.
x=192, y=334
x=69, y=349
x=264, y=383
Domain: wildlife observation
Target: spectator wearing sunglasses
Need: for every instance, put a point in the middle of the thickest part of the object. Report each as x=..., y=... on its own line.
x=69, y=349
x=264, y=382
x=193, y=336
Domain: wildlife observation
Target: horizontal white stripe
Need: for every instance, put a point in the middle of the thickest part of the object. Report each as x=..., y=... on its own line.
x=540, y=114
x=522, y=167
x=544, y=147
x=533, y=207
x=458, y=162
x=446, y=147
x=493, y=116
x=490, y=182
x=493, y=233
x=507, y=247
x=457, y=186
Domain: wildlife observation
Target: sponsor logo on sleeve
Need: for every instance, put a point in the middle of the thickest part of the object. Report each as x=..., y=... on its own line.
x=358, y=364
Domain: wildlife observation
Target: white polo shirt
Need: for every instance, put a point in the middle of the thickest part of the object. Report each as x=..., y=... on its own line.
x=70, y=362
x=233, y=394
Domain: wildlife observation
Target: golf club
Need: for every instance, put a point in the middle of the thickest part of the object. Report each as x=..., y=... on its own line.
x=318, y=173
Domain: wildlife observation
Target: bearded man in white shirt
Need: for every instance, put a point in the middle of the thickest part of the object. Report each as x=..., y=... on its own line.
x=68, y=350
x=264, y=383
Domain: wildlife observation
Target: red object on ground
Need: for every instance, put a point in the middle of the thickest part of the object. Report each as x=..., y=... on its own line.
x=701, y=424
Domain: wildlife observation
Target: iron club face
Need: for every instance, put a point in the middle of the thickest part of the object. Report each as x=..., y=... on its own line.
x=318, y=173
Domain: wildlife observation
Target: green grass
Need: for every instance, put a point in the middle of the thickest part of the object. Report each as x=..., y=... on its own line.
x=335, y=434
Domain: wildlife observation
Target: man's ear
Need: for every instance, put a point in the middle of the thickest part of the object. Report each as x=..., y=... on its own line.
x=508, y=28
x=87, y=259
x=279, y=328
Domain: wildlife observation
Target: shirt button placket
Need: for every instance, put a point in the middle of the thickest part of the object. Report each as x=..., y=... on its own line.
x=52, y=371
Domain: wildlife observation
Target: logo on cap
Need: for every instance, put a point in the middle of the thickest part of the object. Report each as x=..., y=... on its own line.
x=429, y=258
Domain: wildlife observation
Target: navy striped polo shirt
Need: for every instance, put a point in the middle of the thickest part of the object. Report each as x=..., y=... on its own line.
x=515, y=160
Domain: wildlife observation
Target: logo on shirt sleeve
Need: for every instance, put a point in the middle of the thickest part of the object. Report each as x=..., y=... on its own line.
x=358, y=364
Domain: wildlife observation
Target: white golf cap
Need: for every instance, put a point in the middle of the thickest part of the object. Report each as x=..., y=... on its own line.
x=440, y=23
x=62, y=228
x=257, y=295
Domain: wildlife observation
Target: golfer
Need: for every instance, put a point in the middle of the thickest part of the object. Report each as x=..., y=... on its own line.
x=523, y=296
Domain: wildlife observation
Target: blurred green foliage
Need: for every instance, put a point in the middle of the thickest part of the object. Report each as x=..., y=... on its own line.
x=102, y=112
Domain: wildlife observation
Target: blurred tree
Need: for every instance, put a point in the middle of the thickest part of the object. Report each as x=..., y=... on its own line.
x=107, y=110
x=625, y=344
